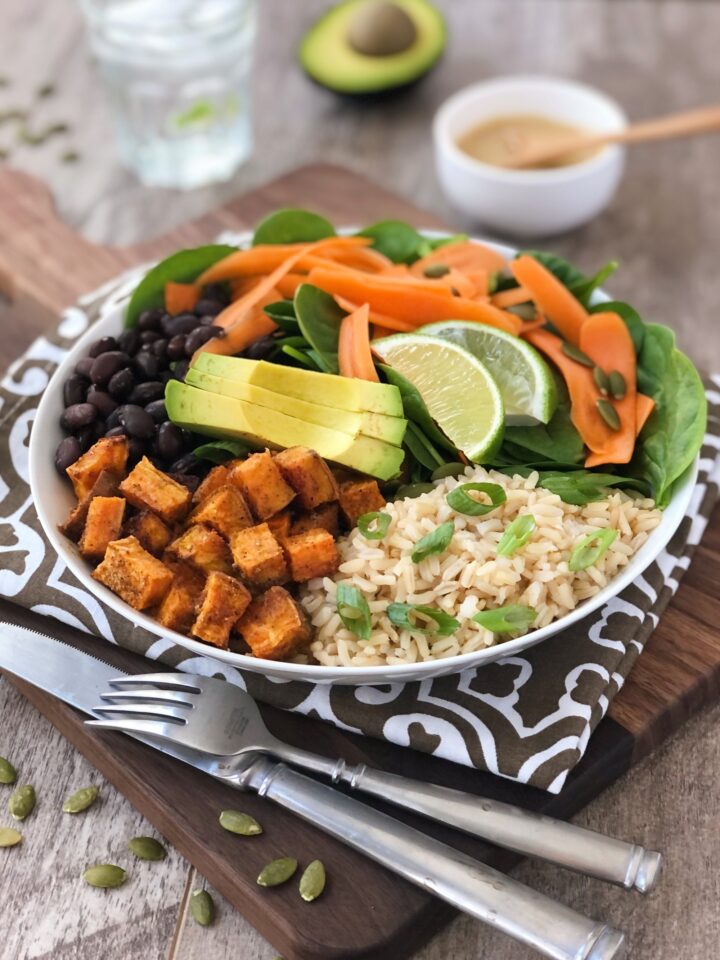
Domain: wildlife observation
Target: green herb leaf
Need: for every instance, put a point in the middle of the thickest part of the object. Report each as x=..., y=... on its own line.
x=353, y=610
x=584, y=289
x=461, y=501
x=512, y=618
x=437, y=541
x=292, y=225
x=397, y=240
x=374, y=526
x=220, y=451
x=283, y=313
x=319, y=318
x=557, y=440
x=405, y=616
x=591, y=548
x=516, y=535
x=415, y=409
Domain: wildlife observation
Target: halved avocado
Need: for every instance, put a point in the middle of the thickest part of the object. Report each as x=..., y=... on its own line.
x=373, y=46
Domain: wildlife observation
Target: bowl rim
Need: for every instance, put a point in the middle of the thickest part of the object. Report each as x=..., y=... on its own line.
x=38, y=465
x=457, y=101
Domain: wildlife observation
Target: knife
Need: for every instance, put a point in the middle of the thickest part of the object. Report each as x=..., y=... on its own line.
x=528, y=916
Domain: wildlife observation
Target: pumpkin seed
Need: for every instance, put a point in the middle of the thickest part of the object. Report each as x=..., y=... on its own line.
x=312, y=882
x=202, y=908
x=80, y=800
x=105, y=875
x=22, y=802
x=242, y=823
x=436, y=270
x=9, y=837
x=601, y=380
x=609, y=414
x=618, y=387
x=70, y=156
x=147, y=848
x=8, y=774
x=277, y=872
x=576, y=354
x=46, y=90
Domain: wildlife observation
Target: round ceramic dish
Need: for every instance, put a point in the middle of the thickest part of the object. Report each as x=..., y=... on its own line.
x=53, y=498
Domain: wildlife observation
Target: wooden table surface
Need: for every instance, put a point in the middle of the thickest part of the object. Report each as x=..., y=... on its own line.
x=654, y=56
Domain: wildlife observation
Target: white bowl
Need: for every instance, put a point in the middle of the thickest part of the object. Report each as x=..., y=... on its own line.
x=528, y=203
x=53, y=498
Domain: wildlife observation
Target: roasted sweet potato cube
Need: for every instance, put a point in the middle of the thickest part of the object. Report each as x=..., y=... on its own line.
x=358, y=497
x=103, y=524
x=325, y=517
x=109, y=453
x=262, y=484
x=204, y=548
x=308, y=475
x=258, y=556
x=311, y=554
x=105, y=486
x=135, y=575
x=149, y=529
x=274, y=626
x=148, y=488
x=225, y=511
x=280, y=524
x=217, y=478
x=223, y=602
x=177, y=611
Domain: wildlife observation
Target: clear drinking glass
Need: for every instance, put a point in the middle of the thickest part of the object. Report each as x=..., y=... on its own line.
x=178, y=76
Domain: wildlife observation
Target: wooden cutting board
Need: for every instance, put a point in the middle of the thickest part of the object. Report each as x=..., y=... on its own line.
x=366, y=912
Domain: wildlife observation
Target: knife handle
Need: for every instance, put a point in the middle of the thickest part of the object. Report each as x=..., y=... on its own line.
x=530, y=917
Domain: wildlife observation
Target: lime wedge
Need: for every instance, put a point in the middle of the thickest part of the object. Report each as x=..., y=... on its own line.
x=524, y=379
x=460, y=394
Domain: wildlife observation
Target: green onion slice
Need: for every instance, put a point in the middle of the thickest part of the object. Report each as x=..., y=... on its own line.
x=516, y=535
x=405, y=616
x=374, y=525
x=591, y=548
x=437, y=541
x=459, y=498
x=509, y=619
x=354, y=610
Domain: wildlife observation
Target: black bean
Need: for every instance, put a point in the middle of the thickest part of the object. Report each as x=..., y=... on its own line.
x=67, y=453
x=206, y=321
x=107, y=364
x=113, y=420
x=103, y=345
x=186, y=464
x=182, y=323
x=144, y=393
x=188, y=480
x=216, y=291
x=166, y=376
x=116, y=432
x=260, y=348
x=176, y=347
x=180, y=369
x=157, y=411
x=102, y=401
x=150, y=319
x=169, y=441
x=200, y=336
x=207, y=308
x=78, y=415
x=137, y=448
x=74, y=390
x=89, y=434
x=120, y=384
x=129, y=341
x=146, y=366
x=159, y=348
x=136, y=421
x=84, y=366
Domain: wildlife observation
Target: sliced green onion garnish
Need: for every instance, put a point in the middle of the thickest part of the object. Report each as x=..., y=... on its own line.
x=374, y=526
x=354, y=610
x=459, y=498
x=434, y=542
x=510, y=619
x=516, y=535
x=591, y=548
x=405, y=616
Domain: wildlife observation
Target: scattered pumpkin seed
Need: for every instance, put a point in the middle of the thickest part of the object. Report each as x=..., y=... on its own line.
x=4, y=81
x=147, y=848
x=4, y=154
x=277, y=872
x=202, y=908
x=436, y=270
x=25, y=135
x=22, y=802
x=80, y=800
x=609, y=414
x=312, y=882
x=70, y=156
x=601, y=380
x=105, y=875
x=8, y=774
x=618, y=387
x=242, y=823
x=576, y=354
x=9, y=837
x=7, y=115
x=46, y=90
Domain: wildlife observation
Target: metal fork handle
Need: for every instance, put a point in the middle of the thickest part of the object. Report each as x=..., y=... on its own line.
x=585, y=851
x=528, y=916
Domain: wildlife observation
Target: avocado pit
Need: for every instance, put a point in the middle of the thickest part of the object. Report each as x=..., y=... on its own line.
x=380, y=28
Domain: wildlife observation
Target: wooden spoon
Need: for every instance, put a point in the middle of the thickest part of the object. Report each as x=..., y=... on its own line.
x=685, y=124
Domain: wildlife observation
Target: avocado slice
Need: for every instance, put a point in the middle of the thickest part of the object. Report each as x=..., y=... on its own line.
x=218, y=416
x=372, y=46
x=378, y=425
x=344, y=393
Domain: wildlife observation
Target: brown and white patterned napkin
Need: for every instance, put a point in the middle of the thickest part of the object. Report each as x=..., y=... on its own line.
x=527, y=717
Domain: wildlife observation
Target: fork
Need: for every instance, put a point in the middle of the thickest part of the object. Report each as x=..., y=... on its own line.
x=218, y=718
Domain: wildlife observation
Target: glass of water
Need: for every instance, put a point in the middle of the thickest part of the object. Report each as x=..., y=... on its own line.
x=178, y=76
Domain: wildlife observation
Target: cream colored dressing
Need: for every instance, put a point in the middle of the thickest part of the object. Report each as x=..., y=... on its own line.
x=502, y=140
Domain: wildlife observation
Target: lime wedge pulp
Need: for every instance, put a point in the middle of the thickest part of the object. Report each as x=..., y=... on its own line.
x=458, y=391
x=524, y=379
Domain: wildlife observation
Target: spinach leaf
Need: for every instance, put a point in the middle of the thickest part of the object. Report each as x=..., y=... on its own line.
x=220, y=451
x=566, y=273
x=421, y=448
x=283, y=313
x=319, y=318
x=584, y=289
x=300, y=358
x=415, y=409
x=632, y=318
x=428, y=244
x=181, y=267
x=397, y=240
x=556, y=440
x=292, y=225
